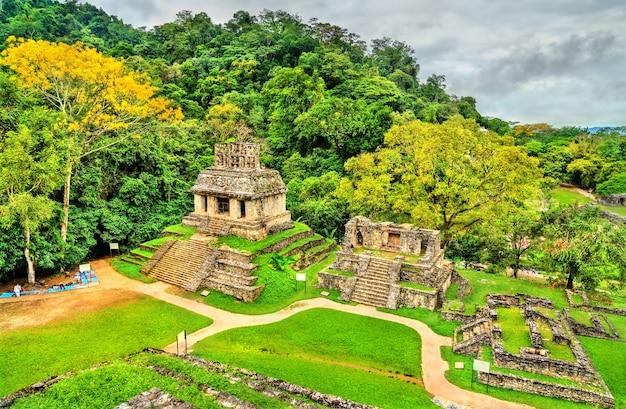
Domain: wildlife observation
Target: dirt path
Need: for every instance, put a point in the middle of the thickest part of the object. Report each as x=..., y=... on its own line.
x=113, y=288
x=579, y=191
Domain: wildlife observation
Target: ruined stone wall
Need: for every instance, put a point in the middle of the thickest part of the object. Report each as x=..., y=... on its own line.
x=612, y=200
x=346, y=261
x=247, y=294
x=508, y=381
x=394, y=237
x=595, y=331
x=541, y=365
x=331, y=281
x=414, y=298
x=276, y=247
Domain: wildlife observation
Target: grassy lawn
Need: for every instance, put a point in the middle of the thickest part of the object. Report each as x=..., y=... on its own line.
x=131, y=271
x=514, y=331
x=463, y=377
x=581, y=317
x=32, y=354
x=608, y=357
x=332, y=352
x=566, y=196
x=619, y=323
x=452, y=292
x=483, y=284
x=431, y=318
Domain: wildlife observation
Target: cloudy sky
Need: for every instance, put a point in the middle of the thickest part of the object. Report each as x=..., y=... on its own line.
x=557, y=61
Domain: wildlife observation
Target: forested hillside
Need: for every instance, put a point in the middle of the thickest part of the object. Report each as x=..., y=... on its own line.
x=87, y=169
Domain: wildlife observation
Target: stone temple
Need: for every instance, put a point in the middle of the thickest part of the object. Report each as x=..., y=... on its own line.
x=237, y=196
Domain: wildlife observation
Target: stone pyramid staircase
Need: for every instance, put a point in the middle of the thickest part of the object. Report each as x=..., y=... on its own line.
x=178, y=262
x=214, y=227
x=374, y=286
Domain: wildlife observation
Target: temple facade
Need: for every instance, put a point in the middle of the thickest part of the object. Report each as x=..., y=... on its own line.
x=238, y=196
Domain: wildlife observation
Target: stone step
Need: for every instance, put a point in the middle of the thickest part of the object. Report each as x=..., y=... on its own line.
x=375, y=301
x=181, y=262
x=225, y=276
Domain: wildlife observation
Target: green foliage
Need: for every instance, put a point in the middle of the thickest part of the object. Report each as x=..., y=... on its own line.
x=279, y=262
x=614, y=185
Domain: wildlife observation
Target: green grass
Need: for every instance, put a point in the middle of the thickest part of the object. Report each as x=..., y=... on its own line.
x=565, y=196
x=483, y=284
x=514, y=331
x=619, y=323
x=463, y=377
x=254, y=246
x=144, y=253
x=111, y=385
x=185, y=231
x=32, y=354
x=452, y=291
x=608, y=358
x=329, y=351
x=131, y=271
x=621, y=210
x=431, y=318
x=581, y=317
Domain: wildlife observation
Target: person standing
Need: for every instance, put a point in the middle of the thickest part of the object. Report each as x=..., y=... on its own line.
x=17, y=290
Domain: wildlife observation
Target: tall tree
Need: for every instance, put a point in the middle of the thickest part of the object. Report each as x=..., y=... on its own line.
x=30, y=167
x=449, y=176
x=578, y=240
x=98, y=98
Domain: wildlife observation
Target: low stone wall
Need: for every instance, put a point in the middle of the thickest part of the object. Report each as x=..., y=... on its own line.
x=247, y=294
x=595, y=331
x=412, y=297
x=541, y=365
x=346, y=261
x=536, y=387
x=472, y=345
x=331, y=281
x=605, y=310
x=276, y=247
x=457, y=316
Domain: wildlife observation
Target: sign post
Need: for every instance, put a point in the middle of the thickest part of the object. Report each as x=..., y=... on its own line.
x=480, y=366
x=301, y=277
x=114, y=246
x=182, y=337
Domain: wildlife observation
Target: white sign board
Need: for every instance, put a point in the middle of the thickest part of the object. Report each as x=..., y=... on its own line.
x=114, y=246
x=83, y=268
x=481, y=366
x=181, y=337
x=300, y=277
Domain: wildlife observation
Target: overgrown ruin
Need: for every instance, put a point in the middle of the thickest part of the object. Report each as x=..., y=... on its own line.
x=389, y=265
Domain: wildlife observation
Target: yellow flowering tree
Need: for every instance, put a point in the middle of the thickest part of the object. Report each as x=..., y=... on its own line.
x=100, y=100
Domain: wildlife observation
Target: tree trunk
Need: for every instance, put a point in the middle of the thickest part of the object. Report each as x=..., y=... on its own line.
x=66, y=203
x=571, y=272
x=29, y=260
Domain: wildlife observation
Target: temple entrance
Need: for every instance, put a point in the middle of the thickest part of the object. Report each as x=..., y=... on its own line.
x=223, y=205
x=393, y=240
x=242, y=208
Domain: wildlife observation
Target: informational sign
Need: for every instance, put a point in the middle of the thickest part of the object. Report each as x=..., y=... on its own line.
x=83, y=268
x=114, y=246
x=481, y=366
x=300, y=277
